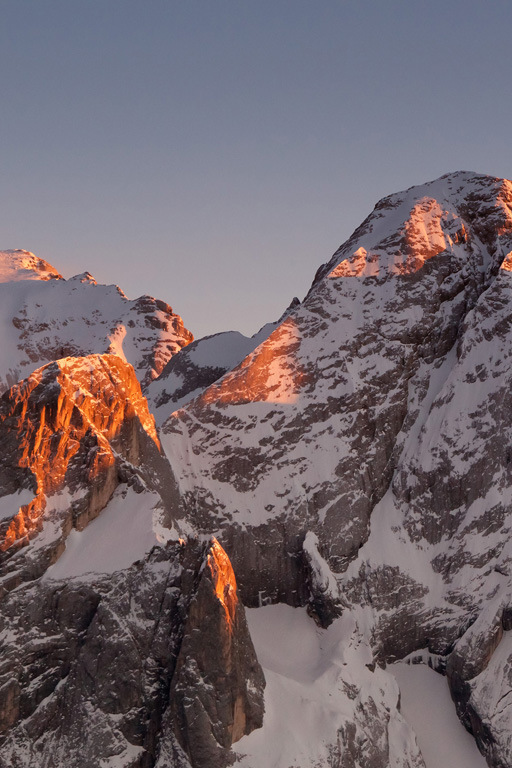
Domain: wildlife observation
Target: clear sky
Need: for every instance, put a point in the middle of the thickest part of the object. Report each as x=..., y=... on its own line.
x=213, y=153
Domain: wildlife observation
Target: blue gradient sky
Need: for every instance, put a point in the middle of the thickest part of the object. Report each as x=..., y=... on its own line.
x=214, y=153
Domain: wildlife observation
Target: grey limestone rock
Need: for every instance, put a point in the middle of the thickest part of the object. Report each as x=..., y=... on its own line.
x=357, y=461
x=96, y=672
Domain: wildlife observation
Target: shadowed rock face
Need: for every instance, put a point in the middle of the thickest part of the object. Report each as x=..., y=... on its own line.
x=96, y=671
x=216, y=662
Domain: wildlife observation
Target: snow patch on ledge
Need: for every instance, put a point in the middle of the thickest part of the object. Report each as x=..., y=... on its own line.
x=121, y=534
x=322, y=575
x=320, y=680
x=317, y=680
x=9, y=505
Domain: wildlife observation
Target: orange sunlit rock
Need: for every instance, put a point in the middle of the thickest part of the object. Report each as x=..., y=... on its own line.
x=360, y=264
x=506, y=264
x=23, y=523
x=72, y=411
x=427, y=231
x=504, y=203
x=270, y=373
x=424, y=237
x=224, y=581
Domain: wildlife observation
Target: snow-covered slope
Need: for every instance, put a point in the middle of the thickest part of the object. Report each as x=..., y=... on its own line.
x=18, y=265
x=123, y=533
x=318, y=686
x=323, y=681
x=354, y=466
x=376, y=418
x=44, y=317
x=200, y=364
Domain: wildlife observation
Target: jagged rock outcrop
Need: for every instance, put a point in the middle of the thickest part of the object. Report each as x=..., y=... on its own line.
x=218, y=663
x=76, y=427
x=201, y=363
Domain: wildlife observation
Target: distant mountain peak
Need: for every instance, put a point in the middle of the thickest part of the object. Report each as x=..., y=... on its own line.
x=85, y=277
x=49, y=318
x=17, y=264
x=406, y=229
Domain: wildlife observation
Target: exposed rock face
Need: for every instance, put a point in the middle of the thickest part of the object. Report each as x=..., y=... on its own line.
x=356, y=461
x=44, y=318
x=479, y=671
x=79, y=425
x=91, y=670
x=200, y=364
x=216, y=662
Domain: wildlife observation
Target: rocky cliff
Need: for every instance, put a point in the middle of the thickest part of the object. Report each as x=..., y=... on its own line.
x=70, y=433
x=353, y=466
x=359, y=457
x=94, y=581
x=108, y=670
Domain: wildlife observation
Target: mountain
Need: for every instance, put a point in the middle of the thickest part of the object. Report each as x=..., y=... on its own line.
x=44, y=317
x=200, y=364
x=311, y=546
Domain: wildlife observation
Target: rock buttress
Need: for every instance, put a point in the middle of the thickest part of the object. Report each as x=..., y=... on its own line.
x=217, y=690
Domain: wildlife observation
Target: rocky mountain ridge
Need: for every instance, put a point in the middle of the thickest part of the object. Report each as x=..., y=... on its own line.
x=45, y=318
x=352, y=461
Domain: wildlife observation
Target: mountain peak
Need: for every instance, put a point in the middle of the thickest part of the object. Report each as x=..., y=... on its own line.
x=406, y=229
x=84, y=277
x=17, y=264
